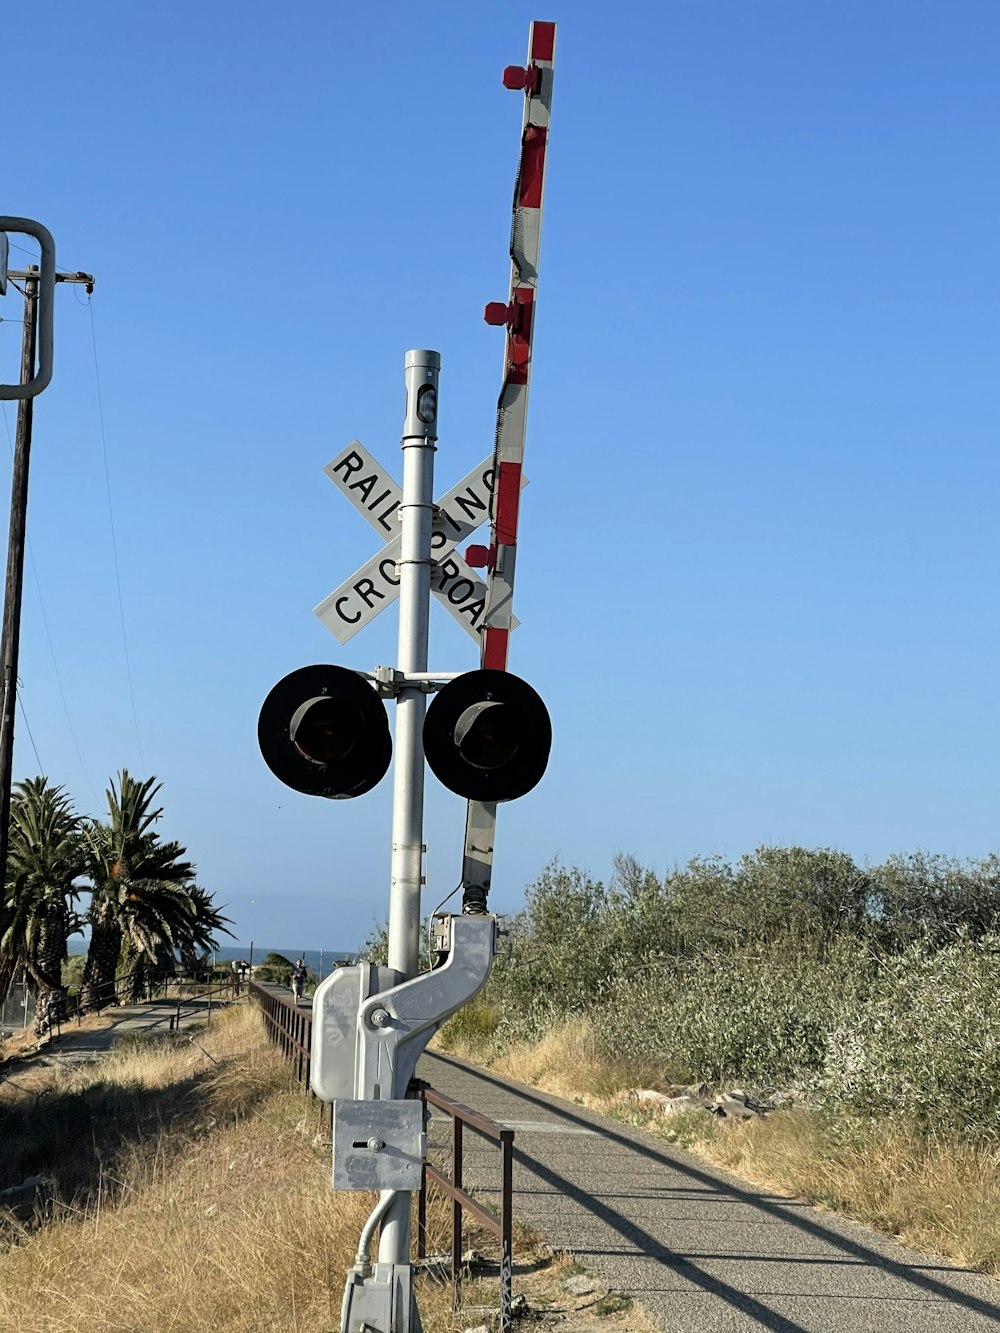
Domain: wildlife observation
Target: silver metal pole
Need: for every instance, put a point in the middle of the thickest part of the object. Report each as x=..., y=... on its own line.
x=416, y=516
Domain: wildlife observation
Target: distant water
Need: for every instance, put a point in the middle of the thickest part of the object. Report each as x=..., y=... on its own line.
x=319, y=961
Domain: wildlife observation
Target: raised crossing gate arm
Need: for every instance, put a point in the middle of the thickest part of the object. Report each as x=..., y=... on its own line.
x=518, y=316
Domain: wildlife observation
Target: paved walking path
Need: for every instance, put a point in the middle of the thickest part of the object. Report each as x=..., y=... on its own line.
x=76, y=1046
x=702, y=1251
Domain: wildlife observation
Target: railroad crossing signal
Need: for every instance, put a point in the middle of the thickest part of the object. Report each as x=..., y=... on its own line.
x=324, y=731
x=374, y=493
x=486, y=736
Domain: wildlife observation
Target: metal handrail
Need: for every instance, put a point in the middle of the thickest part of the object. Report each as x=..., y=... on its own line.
x=462, y=1200
x=111, y=989
x=288, y=1025
x=77, y=1010
x=206, y=993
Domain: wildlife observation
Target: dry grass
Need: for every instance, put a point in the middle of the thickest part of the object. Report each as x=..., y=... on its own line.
x=567, y=1061
x=933, y=1195
x=74, y=1124
x=201, y=1198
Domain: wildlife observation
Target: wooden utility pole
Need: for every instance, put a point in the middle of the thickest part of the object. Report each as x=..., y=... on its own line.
x=15, y=565
x=11, y=633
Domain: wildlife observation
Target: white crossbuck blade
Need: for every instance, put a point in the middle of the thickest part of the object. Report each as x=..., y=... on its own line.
x=375, y=495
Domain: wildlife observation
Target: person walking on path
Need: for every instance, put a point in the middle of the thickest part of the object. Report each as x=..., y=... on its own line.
x=298, y=980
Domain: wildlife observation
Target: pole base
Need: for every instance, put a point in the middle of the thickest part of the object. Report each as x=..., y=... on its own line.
x=380, y=1299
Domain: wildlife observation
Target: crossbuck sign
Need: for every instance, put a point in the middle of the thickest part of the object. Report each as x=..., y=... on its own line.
x=376, y=496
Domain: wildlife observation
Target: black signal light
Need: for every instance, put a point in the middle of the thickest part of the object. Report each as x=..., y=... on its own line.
x=487, y=736
x=324, y=731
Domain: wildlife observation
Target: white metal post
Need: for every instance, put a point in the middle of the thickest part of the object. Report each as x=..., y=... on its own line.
x=416, y=516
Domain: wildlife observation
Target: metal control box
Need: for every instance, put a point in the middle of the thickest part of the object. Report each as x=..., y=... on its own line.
x=378, y=1145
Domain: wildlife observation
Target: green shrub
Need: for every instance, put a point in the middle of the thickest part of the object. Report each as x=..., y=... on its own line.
x=760, y=1016
x=614, y=1302
x=72, y=971
x=925, y=1043
x=276, y=968
x=794, y=970
x=475, y=1024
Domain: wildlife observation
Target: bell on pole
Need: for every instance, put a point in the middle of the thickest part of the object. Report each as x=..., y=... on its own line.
x=324, y=731
x=487, y=736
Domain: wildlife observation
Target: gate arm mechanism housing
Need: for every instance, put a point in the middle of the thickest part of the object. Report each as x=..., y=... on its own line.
x=395, y=1025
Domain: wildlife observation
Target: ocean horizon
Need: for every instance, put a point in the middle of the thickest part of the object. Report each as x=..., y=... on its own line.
x=319, y=961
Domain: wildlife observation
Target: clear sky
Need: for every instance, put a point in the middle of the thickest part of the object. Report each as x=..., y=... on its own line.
x=759, y=564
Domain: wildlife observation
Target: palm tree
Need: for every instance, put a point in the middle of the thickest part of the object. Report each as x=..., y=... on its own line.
x=137, y=885
x=154, y=918
x=206, y=921
x=45, y=857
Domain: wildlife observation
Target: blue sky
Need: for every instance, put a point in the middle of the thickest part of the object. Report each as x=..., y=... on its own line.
x=758, y=568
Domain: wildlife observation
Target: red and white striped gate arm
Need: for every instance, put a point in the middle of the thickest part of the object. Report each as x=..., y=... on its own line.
x=535, y=78
x=518, y=316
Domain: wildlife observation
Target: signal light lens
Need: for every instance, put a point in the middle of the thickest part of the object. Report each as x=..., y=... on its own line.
x=488, y=734
x=325, y=730
x=427, y=404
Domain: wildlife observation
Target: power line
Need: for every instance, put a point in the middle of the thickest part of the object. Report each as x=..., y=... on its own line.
x=27, y=727
x=114, y=543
